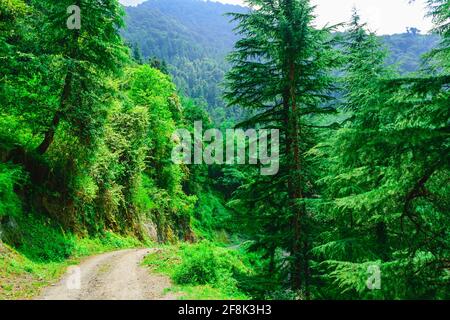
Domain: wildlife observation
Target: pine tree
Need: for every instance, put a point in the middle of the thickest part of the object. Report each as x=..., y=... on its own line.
x=384, y=199
x=280, y=72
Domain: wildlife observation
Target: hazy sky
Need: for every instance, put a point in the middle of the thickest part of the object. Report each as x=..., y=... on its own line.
x=383, y=16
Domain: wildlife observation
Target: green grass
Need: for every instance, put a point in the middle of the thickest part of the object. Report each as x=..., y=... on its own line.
x=21, y=278
x=200, y=271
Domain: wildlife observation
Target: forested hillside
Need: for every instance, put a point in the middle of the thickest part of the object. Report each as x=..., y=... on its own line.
x=194, y=37
x=406, y=49
x=94, y=115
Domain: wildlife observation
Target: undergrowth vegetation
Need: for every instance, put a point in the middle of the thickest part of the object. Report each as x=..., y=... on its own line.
x=203, y=270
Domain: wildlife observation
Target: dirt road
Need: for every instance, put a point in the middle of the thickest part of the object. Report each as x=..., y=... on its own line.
x=111, y=276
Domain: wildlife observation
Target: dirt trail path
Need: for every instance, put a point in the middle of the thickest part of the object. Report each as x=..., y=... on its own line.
x=111, y=276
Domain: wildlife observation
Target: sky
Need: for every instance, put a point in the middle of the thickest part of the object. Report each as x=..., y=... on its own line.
x=383, y=16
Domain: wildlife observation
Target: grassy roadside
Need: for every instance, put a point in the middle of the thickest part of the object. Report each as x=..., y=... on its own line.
x=44, y=255
x=202, y=271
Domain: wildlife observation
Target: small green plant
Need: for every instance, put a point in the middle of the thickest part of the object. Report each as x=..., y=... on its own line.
x=42, y=241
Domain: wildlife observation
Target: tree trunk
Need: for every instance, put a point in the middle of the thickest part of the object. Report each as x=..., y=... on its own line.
x=300, y=244
x=272, y=262
x=382, y=240
x=50, y=133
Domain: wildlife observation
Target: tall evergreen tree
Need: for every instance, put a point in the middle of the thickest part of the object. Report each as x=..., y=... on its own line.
x=280, y=72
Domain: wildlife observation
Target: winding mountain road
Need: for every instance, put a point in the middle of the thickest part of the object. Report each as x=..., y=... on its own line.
x=111, y=276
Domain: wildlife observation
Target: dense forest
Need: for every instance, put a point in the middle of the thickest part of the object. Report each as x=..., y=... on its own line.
x=359, y=208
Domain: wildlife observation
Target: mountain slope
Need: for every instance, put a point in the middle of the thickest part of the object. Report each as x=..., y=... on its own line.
x=189, y=28
x=406, y=49
x=193, y=37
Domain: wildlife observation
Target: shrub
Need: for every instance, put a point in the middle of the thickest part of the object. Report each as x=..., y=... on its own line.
x=42, y=241
x=199, y=266
x=204, y=263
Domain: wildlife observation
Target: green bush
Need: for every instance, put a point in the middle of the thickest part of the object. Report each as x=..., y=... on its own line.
x=203, y=270
x=204, y=263
x=211, y=217
x=199, y=266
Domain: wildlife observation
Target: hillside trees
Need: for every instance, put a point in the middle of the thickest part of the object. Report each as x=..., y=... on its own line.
x=161, y=192
x=193, y=37
x=60, y=88
x=90, y=128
